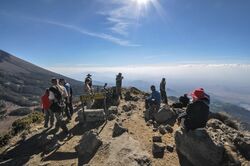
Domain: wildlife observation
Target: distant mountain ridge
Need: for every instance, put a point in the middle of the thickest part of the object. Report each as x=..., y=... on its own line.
x=22, y=83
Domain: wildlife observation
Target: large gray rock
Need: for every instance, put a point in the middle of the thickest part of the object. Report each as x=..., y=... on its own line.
x=198, y=148
x=121, y=151
x=80, y=117
x=89, y=144
x=94, y=115
x=164, y=115
x=118, y=130
x=234, y=141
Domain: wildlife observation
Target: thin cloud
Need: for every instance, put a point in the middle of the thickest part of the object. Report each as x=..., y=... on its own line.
x=93, y=34
x=103, y=36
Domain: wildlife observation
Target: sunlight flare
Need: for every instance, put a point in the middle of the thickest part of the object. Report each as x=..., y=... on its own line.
x=142, y=2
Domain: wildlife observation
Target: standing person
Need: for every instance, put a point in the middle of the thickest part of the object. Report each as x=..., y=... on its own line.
x=70, y=93
x=88, y=89
x=119, y=79
x=88, y=84
x=57, y=105
x=196, y=115
x=163, y=91
x=66, y=95
x=49, y=115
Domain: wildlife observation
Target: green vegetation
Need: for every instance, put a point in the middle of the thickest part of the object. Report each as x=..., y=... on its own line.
x=24, y=123
x=21, y=125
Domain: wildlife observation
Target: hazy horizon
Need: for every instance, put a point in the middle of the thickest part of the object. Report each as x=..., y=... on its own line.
x=230, y=82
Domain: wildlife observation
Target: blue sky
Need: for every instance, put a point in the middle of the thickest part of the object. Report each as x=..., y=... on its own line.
x=54, y=33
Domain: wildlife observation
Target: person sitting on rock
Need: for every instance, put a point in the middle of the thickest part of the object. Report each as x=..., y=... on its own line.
x=196, y=115
x=153, y=102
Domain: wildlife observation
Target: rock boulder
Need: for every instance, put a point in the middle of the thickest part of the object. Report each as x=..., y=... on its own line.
x=118, y=130
x=89, y=144
x=198, y=148
x=164, y=115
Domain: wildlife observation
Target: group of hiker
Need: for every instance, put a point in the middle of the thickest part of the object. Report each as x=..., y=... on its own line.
x=57, y=101
x=153, y=102
x=196, y=113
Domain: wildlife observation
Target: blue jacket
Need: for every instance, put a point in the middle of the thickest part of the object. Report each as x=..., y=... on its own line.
x=156, y=96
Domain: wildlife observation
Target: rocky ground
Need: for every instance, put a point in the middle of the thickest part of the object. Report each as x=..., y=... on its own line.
x=134, y=142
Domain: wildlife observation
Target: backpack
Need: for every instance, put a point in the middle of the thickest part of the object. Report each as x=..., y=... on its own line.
x=57, y=93
x=58, y=105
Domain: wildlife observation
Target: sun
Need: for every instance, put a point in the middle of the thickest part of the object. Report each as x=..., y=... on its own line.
x=142, y=2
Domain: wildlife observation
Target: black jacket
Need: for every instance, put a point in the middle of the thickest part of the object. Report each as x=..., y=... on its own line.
x=196, y=115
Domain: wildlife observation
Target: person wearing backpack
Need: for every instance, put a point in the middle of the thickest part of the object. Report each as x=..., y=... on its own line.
x=57, y=105
x=63, y=87
x=196, y=115
x=49, y=115
x=88, y=90
x=88, y=84
x=70, y=93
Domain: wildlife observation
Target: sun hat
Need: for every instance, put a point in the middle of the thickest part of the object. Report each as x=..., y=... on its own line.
x=199, y=93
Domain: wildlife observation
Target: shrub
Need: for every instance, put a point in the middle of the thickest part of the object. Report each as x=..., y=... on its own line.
x=24, y=123
x=222, y=116
x=225, y=118
x=4, y=139
x=20, y=125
